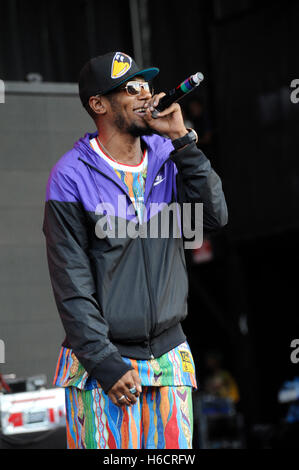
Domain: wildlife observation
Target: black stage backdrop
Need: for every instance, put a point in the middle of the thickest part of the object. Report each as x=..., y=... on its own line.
x=249, y=57
x=55, y=38
x=248, y=53
x=253, y=66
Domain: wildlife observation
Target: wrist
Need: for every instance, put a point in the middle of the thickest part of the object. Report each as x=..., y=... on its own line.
x=178, y=134
x=186, y=139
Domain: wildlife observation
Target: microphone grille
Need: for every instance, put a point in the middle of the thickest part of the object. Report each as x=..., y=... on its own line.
x=198, y=77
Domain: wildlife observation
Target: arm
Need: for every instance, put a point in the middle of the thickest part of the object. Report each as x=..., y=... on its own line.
x=196, y=180
x=73, y=283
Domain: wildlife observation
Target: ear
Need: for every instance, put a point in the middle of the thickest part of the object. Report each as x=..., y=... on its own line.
x=97, y=104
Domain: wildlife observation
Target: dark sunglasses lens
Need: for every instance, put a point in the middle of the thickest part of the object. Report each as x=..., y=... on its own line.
x=133, y=89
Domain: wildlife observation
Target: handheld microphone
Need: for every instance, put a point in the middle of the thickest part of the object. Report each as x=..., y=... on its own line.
x=174, y=95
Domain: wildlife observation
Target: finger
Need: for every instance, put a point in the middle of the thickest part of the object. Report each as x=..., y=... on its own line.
x=134, y=391
x=124, y=391
x=136, y=387
x=154, y=101
x=134, y=384
x=174, y=107
x=123, y=400
x=131, y=398
x=114, y=400
x=149, y=117
x=137, y=381
x=155, y=114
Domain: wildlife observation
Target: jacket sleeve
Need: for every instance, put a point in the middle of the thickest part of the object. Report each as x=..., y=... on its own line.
x=73, y=283
x=198, y=182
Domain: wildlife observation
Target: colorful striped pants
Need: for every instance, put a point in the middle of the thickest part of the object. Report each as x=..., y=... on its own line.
x=162, y=418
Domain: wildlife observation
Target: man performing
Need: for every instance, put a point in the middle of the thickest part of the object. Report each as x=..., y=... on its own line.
x=125, y=363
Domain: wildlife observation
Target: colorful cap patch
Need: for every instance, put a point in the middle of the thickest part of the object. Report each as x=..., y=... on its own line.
x=121, y=63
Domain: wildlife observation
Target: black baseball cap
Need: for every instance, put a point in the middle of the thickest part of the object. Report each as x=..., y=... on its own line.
x=106, y=72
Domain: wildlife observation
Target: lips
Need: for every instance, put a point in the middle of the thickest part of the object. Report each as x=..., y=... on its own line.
x=140, y=111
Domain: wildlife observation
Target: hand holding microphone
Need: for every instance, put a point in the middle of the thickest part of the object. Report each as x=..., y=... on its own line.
x=164, y=114
x=174, y=95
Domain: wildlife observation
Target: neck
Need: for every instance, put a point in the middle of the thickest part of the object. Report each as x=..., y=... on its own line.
x=123, y=148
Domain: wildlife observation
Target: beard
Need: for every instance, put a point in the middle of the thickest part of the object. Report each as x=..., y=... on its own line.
x=137, y=131
x=133, y=129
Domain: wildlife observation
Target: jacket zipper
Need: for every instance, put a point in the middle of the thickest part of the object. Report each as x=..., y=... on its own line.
x=153, y=315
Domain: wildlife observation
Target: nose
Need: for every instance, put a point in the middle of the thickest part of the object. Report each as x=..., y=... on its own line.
x=144, y=94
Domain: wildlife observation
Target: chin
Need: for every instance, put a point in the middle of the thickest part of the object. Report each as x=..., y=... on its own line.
x=137, y=131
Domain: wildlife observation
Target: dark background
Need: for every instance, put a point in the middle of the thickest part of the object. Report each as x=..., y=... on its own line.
x=248, y=52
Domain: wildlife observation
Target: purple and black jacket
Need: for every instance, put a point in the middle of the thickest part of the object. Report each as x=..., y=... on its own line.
x=122, y=296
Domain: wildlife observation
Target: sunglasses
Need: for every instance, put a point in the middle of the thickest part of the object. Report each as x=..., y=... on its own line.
x=133, y=88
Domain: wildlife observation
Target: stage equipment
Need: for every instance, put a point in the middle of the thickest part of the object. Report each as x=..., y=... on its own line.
x=29, y=412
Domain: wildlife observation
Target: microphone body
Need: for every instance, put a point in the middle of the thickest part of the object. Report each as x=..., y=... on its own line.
x=174, y=95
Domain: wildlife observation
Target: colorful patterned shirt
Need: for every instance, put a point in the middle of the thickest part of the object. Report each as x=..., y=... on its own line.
x=133, y=176
x=175, y=367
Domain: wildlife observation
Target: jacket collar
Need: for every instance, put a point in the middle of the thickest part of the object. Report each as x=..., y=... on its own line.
x=158, y=149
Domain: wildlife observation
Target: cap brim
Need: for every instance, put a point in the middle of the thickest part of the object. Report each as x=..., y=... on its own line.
x=147, y=74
